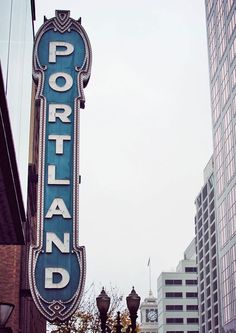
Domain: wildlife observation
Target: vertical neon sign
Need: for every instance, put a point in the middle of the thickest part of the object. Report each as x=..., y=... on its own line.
x=61, y=69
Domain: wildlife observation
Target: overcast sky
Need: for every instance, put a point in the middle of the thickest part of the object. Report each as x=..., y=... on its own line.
x=145, y=134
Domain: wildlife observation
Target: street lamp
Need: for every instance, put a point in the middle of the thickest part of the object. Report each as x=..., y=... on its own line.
x=103, y=303
x=133, y=301
x=5, y=313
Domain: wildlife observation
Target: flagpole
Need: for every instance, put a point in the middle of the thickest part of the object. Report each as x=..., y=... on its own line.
x=150, y=283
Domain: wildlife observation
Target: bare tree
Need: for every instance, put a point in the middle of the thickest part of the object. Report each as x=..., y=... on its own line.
x=86, y=318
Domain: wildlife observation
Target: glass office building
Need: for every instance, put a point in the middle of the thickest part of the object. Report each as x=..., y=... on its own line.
x=207, y=255
x=221, y=32
x=16, y=43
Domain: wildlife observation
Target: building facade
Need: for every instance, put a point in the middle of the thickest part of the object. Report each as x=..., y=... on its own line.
x=178, y=297
x=207, y=256
x=149, y=315
x=16, y=43
x=221, y=33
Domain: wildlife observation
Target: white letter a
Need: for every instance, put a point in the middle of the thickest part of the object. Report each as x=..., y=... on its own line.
x=58, y=207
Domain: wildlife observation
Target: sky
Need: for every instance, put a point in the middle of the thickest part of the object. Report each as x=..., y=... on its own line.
x=145, y=135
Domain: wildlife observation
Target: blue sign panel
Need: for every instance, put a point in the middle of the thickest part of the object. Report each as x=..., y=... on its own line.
x=61, y=69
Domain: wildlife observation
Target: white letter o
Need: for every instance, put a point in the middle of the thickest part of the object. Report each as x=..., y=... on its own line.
x=68, y=81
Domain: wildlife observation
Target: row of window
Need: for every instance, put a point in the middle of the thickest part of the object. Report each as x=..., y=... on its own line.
x=190, y=269
x=177, y=307
x=209, y=318
x=179, y=282
x=206, y=211
x=181, y=320
x=180, y=295
x=212, y=309
x=198, y=223
x=206, y=237
x=202, y=198
x=213, y=264
x=209, y=302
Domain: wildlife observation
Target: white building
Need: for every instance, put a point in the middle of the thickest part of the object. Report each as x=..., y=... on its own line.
x=177, y=296
x=149, y=315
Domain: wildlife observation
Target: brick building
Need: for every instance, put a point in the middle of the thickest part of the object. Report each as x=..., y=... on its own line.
x=17, y=229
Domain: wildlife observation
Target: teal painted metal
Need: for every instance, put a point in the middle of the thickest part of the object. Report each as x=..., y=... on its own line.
x=61, y=69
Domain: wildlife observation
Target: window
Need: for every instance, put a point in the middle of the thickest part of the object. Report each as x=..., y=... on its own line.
x=209, y=303
x=192, y=331
x=200, y=244
x=205, y=216
x=213, y=263
x=174, y=307
x=199, y=214
x=205, y=203
x=213, y=240
x=201, y=265
x=199, y=223
x=192, y=320
x=209, y=325
x=211, y=196
x=202, y=286
x=171, y=282
x=201, y=254
x=175, y=332
x=212, y=206
x=190, y=269
x=174, y=320
x=188, y=294
x=201, y=276
x=214, y=274
x=213, y=251
x=212, y=217
x=202, y=307
x=202, y=297
x=192, y=307
x=215, y=285
x=208, y=280
x=204, y=192
x=212, y=230
x=215, y=297
x=208, y=291
x=216, y=308
x=174, y=295
x=209, y=314
x=191, y=282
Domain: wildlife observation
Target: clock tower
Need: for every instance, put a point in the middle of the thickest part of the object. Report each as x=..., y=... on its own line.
x=149, y=315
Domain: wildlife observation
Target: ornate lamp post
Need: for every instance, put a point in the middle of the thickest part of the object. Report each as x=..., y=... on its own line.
x=5, y=313
x=133, y=301
x=103, y=303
